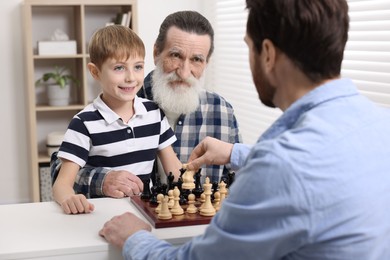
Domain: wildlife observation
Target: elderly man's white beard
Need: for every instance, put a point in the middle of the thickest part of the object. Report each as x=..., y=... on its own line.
x=177, y=99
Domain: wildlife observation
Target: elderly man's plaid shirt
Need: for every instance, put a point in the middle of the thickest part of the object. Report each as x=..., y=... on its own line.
x=214, y=117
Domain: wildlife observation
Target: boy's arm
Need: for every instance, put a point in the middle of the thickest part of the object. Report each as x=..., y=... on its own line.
x=89, y=180
x=63, y=190
x=170, y=162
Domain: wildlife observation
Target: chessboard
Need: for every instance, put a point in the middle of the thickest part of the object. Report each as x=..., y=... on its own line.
x=186, y=219
x=182, y=203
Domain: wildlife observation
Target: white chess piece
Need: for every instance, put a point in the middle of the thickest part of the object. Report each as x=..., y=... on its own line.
x=160, y=198
x=176, y=210
x=207, y=209
x=164, y=212
x=191, y=204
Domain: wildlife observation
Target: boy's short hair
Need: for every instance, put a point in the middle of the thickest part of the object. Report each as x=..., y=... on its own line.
x=117, y=42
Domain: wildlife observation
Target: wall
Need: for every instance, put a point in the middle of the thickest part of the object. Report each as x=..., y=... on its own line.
x=15, y=178
x=14, y=184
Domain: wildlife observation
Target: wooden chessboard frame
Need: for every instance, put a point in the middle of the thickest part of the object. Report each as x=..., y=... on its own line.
x=148, y=211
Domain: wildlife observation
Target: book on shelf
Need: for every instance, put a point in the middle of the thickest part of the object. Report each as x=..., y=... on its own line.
x=123, y=19
x=128, y=20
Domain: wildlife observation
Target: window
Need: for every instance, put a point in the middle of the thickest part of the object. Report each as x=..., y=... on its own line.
x=366, y=61
x=367, y=54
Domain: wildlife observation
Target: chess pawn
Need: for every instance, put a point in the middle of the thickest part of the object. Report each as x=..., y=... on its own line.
x=217, y=199
x=202, y=200
x=171, y=200
x=207, y=210
x=191, y=204
x=164, y=212
x=160, y=198
x=146, y=193
x=176, y=210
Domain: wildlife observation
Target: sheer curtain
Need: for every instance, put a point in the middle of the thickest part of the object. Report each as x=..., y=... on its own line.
x=366, y=61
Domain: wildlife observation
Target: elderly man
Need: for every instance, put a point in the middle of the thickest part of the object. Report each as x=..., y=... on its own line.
x=316, y=185
x=181, y=53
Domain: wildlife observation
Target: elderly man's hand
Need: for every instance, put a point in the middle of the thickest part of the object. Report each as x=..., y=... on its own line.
x=118, y=184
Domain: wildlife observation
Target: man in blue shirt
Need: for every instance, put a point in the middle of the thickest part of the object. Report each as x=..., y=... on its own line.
x=182, y=50
x=316, y=185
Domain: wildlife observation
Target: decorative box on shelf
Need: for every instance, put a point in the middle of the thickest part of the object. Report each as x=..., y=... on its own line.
x=57, y=48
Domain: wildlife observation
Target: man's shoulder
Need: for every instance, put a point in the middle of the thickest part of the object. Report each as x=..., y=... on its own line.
x=213, y=98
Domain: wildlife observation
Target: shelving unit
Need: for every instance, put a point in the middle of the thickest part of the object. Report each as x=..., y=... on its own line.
x=79, y=19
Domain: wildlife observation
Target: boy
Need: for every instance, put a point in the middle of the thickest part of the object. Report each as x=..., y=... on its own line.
x=118, y=130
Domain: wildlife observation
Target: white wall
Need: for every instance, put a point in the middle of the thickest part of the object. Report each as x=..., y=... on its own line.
x=14, y=176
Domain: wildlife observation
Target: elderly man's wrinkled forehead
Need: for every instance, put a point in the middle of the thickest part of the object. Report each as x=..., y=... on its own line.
x=190, y=42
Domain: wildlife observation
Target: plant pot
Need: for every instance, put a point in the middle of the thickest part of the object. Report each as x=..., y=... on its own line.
x=58, y=96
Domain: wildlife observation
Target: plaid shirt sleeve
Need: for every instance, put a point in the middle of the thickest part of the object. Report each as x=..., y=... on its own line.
x=89, y=180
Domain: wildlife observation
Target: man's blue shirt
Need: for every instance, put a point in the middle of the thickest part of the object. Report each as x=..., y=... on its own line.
x=316, y=185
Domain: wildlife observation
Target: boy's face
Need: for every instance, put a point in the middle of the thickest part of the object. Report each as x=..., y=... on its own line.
x=121, y=80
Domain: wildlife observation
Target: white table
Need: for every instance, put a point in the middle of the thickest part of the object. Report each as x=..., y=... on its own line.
x=43, y=231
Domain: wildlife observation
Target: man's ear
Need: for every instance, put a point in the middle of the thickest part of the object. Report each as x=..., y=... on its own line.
x=268, y=55
x=155, y=54
x=93, y=70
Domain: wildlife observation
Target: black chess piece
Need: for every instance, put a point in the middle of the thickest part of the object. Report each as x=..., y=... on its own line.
x=170, y=179
x=182, y=171
x=164, y=189
x=230, y=179
x=145, y=195
x=153, y=197
x=182, y=199
x=214, y=188
x=198, y=186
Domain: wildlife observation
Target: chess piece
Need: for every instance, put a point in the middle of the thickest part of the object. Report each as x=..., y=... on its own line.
x=182, y=170
x=217, y=199
x=146, y=194
x=182, y=199
x=153, y=197
x=164, y=212
x=170, y=179
x=160, y=198
x=202, y=200
x=198, y=186
x=163, y=188
x=223, y=191
x=170, y=199
x=188, y=180
x=230, y=179
x=176, y=210
x=214, y=188
x=191, y=204
x=207, y=210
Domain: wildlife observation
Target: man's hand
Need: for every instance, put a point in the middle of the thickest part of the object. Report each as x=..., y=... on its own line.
x=119, y=184
x=119, y=228
x=210, y=151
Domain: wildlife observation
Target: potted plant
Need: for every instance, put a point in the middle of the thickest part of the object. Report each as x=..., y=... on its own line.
x=58, y=85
